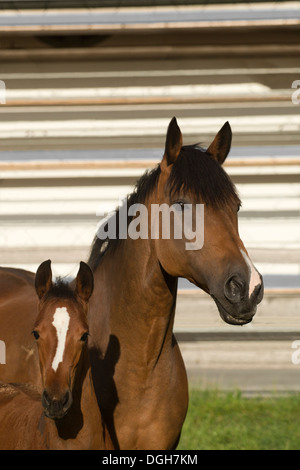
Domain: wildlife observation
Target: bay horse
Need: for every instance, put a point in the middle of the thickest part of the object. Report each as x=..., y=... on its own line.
x=138, y=371
x=66, y=415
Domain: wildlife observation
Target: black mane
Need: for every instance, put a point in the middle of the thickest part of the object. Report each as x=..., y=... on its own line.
x=144, y=186
x=194, y=171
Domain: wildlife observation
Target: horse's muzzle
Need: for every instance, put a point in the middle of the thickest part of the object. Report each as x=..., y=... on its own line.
x=236, y=308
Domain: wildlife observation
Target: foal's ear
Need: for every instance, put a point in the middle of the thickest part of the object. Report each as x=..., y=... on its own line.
x=173, y=144
x=43, y=278
x=84, y=282
x=219, y=148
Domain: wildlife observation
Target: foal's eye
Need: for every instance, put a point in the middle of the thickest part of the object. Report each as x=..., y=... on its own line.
x=84, y=337
x=35, y=334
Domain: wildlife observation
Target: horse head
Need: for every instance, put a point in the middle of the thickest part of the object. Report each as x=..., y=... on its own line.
x=61, y=333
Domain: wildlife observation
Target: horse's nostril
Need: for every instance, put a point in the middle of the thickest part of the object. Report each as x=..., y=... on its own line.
x=234, y=289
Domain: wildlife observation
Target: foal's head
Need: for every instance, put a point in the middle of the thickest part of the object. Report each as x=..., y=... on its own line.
x=61, y=332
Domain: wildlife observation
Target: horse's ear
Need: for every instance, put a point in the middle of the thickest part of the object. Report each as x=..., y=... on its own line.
x=84, y=282
x=173, y=144
x=219, y=148
x=43, y=278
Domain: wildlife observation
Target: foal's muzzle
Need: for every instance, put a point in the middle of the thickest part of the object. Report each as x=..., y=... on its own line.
x=56, y=408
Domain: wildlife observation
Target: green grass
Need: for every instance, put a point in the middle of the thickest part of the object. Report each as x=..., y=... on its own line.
x=231, y=421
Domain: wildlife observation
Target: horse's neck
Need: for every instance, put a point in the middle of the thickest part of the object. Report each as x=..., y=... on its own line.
x=82, y=426
x=136, y=294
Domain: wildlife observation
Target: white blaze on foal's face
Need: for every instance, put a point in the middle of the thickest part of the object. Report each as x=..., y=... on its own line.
x=254, y=278
x=61, y=319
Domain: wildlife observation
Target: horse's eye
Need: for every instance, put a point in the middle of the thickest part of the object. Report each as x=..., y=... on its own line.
x=84, y=337
x=36, y=334
x=179, y=205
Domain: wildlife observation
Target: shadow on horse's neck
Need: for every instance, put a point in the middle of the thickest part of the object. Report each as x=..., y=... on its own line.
x=132, y=316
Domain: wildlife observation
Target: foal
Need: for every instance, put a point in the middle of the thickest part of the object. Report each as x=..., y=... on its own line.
x=67, y=415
